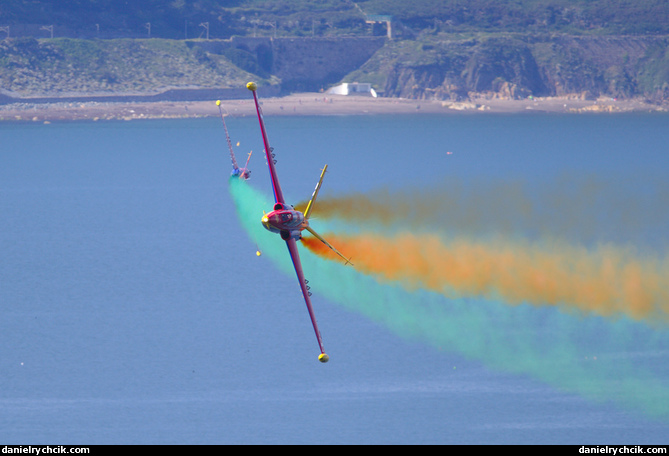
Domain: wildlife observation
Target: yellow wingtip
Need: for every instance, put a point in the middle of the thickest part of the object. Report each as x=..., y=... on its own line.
x=251, y=86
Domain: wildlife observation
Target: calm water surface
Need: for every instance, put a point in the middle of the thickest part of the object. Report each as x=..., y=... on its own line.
x=134, y=309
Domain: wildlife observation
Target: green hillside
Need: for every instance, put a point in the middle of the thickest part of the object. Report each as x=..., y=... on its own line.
x=29, y=67
x=181, y=19
x=438, y=49
x=565, y=16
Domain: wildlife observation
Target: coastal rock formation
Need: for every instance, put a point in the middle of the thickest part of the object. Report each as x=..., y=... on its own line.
x=436, y=67
x=518, y=67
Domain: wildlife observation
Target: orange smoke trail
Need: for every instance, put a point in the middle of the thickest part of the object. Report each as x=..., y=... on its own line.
x=607, y=281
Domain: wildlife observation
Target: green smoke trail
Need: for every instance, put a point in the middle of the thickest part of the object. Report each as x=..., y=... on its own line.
x=604, y=360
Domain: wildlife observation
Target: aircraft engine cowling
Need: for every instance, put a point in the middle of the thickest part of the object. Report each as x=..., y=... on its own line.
x=296, y=234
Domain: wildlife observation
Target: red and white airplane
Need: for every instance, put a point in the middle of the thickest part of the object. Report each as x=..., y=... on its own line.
x=289, y=223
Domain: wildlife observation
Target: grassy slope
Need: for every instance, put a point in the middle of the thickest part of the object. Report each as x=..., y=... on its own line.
x=59, y=66
x=434, y=33
x=176, y=18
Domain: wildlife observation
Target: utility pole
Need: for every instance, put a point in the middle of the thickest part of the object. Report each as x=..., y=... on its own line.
x=48, y=28
x=206, y=27
x=148, y=27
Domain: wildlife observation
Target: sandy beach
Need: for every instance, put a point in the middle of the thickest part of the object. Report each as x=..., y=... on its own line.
x=309, y=104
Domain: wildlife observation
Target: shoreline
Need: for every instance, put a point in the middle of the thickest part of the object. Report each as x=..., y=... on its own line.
x=310, y=104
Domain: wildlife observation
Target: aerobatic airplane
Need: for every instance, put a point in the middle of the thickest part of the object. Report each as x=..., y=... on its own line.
x=242, y=173
x=289, y=223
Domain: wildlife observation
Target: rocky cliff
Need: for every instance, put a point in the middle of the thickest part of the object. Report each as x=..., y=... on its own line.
x=305, y=64
x=521, y=66
x=65, y=67
x=441, y=67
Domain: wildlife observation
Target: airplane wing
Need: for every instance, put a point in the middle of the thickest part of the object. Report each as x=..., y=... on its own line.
x=295, y=256
x=278, y=195
x=227, y=135
x=320, y=238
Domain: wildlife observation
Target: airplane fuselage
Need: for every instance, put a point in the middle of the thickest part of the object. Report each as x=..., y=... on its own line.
x=241, y=172
x=285, y=220
x=289, y=223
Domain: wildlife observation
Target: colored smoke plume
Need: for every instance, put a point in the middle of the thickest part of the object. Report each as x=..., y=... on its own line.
x=607, y=281
x=581, y=209
x=609, y=360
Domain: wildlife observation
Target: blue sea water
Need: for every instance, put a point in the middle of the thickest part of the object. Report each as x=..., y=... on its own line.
x=134, y=309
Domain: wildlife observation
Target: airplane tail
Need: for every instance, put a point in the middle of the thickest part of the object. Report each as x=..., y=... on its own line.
x=307, y=214
x=310, y=206
x=246, y=166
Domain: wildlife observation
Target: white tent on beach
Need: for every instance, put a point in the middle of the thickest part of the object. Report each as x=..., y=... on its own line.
x=353, y=88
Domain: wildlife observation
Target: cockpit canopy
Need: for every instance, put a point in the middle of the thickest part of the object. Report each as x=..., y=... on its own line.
x=286, y=217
